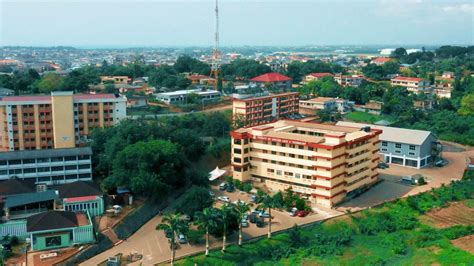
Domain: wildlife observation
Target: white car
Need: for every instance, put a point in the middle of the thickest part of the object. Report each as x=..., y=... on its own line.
x=224, y=198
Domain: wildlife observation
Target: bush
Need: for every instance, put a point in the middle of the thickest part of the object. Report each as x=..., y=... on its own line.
x=196, y=236
x=421, y=181
x=458, y=231
x=396, y=242
x=247, y=187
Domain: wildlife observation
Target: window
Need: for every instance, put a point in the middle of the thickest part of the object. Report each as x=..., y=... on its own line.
x=398, y=145
x=53, y=241
x=384, y=143
x=269, y=170
x=412, y=147
x=278, y=172
x=297, y=175
x=238, y=151
x=411, y=153
x=383, y=149
x=237, y=160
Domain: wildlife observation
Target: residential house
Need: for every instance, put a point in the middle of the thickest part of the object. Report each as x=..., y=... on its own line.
x=275, y=81
x=349, y=80
x=417, y=85
x=316, y=76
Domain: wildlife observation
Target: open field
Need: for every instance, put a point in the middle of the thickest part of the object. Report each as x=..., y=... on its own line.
x=465, y=243
x=457, y=213
x=363, y=117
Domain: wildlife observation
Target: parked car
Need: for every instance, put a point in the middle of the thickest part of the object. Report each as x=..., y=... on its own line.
x=301, y=213
x=260, y=222
x=253, y=198
x=264, y=214
x=244, y=223
x=224, y=198
x=441, y=163
x=212, y=194
x=223, y=186
x=293, y=212
x=382, y=165
x=246, y=217
x=168, y=233
x=253, y=218
x=230, y=188
x=182, y=239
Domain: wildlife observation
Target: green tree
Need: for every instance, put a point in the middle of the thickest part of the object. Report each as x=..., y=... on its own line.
x=226, y=215
x=206, y=220
x=195, y=199
x=267, y=202
x=467, y=105
x=399, y=52
x=241, y=208
x=175, y=224
x=50, y=82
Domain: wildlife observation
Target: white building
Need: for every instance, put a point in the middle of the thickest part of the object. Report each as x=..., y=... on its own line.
x=181, y=96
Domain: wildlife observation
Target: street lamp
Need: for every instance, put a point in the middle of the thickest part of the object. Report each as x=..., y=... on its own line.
x=27, y=242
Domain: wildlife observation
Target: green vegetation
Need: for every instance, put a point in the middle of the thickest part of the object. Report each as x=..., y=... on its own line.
x=390, y=234
x=365, y=117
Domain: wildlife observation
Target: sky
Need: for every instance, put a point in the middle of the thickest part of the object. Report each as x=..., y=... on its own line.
x=150, y=23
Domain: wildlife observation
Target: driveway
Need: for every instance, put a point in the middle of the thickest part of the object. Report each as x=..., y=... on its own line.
x=155, y=248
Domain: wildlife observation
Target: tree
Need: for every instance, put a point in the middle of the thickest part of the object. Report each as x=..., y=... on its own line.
x=268, y=203
x=195, y=199
x=241, y=208
x=399, y=52
x=50, y=82
x=175, y=224
x=467, y=105
x=226, y=214
x=207, y=219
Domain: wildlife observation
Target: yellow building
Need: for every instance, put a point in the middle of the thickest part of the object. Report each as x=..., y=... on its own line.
x=62, y=120
x=114, y=79
x=325, y=162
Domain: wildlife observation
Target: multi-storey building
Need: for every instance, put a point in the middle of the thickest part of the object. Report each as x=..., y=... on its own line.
x=274, y=81
x=62, y=120
x=344, y=80
x=417, y=85
x=325, y=162
x=182, y=96
x=316, y=76
x=444, y=85
x=52, y=166
x=115, y=79
x=311, y=106
x=259, y=110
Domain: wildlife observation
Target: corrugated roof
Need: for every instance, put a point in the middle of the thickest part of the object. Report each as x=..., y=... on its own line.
x=27, y=198
x=394, y=134
x=271, y=77
x=17, y=186
x=78, y=189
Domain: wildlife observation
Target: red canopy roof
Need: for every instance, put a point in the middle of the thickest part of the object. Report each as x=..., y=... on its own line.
x=408, y=79
x=321, y=75
x=271, y=77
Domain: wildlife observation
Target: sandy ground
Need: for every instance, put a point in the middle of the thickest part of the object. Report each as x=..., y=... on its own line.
x=466, y=243
x=456, y=213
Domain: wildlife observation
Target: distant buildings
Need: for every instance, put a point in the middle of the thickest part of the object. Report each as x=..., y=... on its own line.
x=349, y=80
x=324, y=162
x=372, y=107
x=62, y=120
x=201, y=80
x=181, y=96
x=379, y=61
x=444, y=85
x=137, y=101
x=309, y=107
x=115, y=79
x=275, y=81
x=417, y=85
x=405, y=147
x=316, y=76
x=258, y=110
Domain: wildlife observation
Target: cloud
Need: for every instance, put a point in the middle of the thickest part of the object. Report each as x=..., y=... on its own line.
x=469, y=8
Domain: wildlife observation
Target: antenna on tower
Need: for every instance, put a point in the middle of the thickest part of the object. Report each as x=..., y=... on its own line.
x=215, y=65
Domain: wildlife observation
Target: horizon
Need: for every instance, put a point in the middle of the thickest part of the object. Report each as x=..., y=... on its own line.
x=158, y=23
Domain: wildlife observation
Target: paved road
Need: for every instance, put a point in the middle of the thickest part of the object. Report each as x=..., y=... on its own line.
x=155, y=248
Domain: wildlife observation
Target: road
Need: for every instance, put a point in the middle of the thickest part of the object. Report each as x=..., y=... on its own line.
x=155, y=248
x=216, y=109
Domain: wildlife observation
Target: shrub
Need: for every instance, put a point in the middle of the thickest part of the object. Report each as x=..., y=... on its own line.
x=396, y=242
x=458, y=231
x=196, y=236
x=247, y=187
x=421, y=181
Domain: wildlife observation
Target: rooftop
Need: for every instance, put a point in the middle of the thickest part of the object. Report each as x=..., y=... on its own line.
x=47, y=98
x=52, y=220
x=78, y=189
x=408, y=79
x=33, y=154
x=27, y=198
x=271, y=77
x=16, y=186
x=394, y=134
x=319, y=100
x=183, y=92
x=321, y=75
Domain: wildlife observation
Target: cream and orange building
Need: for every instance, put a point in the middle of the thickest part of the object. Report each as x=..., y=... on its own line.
x=61, y=120
x=325, y=162
x=259, y=110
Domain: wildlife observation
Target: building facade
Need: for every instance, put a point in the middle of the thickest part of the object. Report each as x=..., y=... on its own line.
x=316, y=76
x=444, y=85
x=259, y=110
x=182, y=96
x=62, y=120
x=345, y=80
x=273, y=81
x=53, y=166
x=405, y=147
x=417, y=85
x=324, y=162
x=309, y=107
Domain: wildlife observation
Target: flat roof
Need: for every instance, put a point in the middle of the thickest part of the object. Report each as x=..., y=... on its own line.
x=394, y=134
x=33, y=154
x=180, y=92
x=268, y=96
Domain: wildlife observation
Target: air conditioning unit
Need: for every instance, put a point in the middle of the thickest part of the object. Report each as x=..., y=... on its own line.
x=41, y=187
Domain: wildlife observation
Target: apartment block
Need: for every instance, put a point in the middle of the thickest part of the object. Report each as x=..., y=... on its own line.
x=444, y=85
x=51, y=166
x=259, y=110
x=62, y=120
x=115, y=79
x=417, y=85
x=324, y=162
x=345, y=80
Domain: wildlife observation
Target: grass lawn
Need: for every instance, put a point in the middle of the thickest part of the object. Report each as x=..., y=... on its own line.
x=364, y=117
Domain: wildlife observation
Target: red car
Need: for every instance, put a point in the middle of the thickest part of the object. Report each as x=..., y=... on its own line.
x=301, y=213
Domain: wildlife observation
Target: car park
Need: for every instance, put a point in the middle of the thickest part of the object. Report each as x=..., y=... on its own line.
x=301, y=213
x=244, y=223
x=224, y=198
x=260, y=222
x=264, y=214
x=230, y=188
x=253, y=218
x=293, y=212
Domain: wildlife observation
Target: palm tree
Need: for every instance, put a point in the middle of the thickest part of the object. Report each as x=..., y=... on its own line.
x=268, y=202
x=241, y=208
x=207, y=219
x=176, y=225
x=225, y=212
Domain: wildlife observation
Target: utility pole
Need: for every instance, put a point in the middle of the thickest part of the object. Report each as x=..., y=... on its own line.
x=216, y=55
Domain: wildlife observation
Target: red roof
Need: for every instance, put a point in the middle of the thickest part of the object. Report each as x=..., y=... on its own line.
x=78, y=199
x=321, y=75
x=381, y=59
x=408, y=79
x=94, y=96
x=271, y=77
x=196, y=77
x=48, y=98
